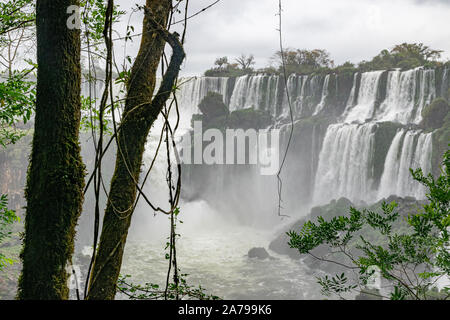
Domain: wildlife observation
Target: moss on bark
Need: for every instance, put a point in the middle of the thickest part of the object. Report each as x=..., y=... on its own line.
x=139, y=115
x=54, y=191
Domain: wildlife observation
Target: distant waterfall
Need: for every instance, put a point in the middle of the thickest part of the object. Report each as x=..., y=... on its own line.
x=258, y=92
x=344, y=163
x=406, y=95
x=345, y=159
x=409, y=149
x=372, y=141
x=321, y=104
x=193, y=90
x=445, y=84
x=364, y=109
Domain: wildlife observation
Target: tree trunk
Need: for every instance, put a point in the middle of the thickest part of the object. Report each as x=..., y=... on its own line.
x=139, y=115
x=54, y=191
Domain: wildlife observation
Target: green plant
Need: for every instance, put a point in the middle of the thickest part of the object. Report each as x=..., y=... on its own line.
x=151, y=291
x=412, y=260
x=7, y=218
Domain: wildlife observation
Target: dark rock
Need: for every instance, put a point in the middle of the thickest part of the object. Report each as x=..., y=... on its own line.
x=434, y=114
x=259, y=253
x=212, y=106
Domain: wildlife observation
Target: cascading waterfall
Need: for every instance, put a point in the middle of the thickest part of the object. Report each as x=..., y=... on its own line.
x=193, y=90
x=321, y=104
x=344, y=163
x=409, y=149
x=407, y=94
x=352, y=99
x=258, y=92
x=364, y=109
x=341, y=169
x=445, y=83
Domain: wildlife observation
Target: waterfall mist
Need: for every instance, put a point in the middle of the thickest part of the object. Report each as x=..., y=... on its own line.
x=355, y=136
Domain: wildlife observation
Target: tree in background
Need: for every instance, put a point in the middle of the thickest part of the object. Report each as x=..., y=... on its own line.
x=303, y=61
x=54, y=191
x=17, y=93
x=404, y=56
x=221, y=63
x=223, y=68
x=246, y=62
x=17, y=89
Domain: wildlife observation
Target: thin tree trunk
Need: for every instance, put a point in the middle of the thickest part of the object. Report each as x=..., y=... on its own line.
x=54, y=191
x=139, y=115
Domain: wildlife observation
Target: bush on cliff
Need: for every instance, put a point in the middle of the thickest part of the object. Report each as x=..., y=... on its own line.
x=212, y=106
x=434, y=114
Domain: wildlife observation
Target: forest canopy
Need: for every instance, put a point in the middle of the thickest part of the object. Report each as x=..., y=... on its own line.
x=404, y=56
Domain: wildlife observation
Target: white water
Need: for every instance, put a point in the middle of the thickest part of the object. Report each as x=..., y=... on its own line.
x=365, y=106
x=321, y=104
x=212, y=250
x=407, y=94
x=346, y=155
x=193, y=90
x=409, y=149
x=344, y=163
x=248, y=93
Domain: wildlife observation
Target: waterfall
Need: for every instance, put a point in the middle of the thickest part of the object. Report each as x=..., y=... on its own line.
x=409, y=149
x=365, y=106
x=352, y=97
x=296, y=88
x=445, y=84
x=258, y=92
x=344, y=163
x=194, y=89
x=322, y=102
x=407, y=93
x=338, y=160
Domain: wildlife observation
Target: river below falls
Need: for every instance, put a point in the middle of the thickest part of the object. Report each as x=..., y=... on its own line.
x=213, y=252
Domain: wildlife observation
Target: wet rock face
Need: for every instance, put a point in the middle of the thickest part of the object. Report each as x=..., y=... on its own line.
x=259, y=253
x=434, y=115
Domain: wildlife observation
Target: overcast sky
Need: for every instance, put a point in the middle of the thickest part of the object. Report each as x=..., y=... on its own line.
x=351, y=30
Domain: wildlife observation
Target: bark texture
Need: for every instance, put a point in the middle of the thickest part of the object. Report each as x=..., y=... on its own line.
x=55, y=181
x=139, y=115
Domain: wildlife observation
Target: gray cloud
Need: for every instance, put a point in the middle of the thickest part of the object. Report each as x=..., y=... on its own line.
x=351, y=30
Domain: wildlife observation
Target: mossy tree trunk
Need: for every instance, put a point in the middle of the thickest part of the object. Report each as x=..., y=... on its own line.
x=139, y=115
x=54, y=191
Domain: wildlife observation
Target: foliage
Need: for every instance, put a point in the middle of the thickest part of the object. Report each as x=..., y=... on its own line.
x=212, y=105
x=223, y=68
x=15, y=14
x=303, y=61
x=245, y=62
x=151, y=291
x=404, y=56
x=249, y=118
x=7, y=218
x=94, y=17
x=345, y=68
x=412, y=260
x=90, y=116
x=215, y=114
x=17, y=96
x=434, y=114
